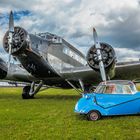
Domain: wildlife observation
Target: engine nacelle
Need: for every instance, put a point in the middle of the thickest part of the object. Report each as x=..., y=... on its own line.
x=108, y=58
x=20, y=40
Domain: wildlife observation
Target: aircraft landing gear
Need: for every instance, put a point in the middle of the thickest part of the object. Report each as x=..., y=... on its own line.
x=25, y=93
x=30, y=91
x=84, y=88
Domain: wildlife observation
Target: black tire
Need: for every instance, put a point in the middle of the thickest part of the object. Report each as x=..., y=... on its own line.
x=25, y=93
x=94, y=115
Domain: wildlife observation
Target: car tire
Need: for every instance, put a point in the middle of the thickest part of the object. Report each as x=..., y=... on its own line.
x=94, y=115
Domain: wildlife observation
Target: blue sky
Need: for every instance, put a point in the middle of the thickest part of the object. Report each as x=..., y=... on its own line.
x=117, y=22
x=4, y=17
x=19, y=14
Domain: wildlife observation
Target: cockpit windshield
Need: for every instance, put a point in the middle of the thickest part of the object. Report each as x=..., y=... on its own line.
x=116, y=88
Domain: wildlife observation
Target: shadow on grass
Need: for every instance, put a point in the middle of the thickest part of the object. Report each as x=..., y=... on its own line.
x=55, y=97
x=105, y=118
x=9, y=96
x=81, y=117
x=120, y=116
x=58, y=97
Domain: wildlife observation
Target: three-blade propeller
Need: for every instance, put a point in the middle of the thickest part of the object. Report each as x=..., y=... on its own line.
x=11, y=31
x=99, y=55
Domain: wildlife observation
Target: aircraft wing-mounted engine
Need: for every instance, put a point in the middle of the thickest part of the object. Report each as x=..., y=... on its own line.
x=20, y=41
x=108, y=58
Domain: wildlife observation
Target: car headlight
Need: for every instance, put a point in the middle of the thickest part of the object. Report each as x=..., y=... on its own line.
x=86, y=96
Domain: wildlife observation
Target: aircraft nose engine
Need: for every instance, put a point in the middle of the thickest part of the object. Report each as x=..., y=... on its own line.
x=20, y=40
x=108, y=57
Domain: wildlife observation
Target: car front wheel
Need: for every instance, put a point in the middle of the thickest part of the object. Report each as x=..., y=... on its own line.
x=93, y=115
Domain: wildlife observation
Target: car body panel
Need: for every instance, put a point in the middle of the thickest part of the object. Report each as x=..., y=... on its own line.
x=109, y=104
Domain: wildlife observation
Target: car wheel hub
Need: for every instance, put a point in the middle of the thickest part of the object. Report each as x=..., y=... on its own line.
x=94, y=116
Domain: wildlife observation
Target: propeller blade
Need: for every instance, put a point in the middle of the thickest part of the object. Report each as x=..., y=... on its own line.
x=102, y=70
x=11, y=31
x=99, y=55
x=95, y=36
x=11, y=22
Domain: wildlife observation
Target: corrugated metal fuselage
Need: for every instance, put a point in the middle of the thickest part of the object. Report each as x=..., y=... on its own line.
x=48, y=56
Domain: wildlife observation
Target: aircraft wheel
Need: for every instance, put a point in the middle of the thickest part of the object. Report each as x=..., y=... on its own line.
x=25, y=93
x=93, y=115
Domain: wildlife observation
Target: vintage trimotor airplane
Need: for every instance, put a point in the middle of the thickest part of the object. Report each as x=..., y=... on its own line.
x=47, y=59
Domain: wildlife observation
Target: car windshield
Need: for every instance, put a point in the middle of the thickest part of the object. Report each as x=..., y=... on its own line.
x=116, y=88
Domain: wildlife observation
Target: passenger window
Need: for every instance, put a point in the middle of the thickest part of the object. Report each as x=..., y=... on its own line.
x=110, y=89
x=119, y=89
x=126, y=89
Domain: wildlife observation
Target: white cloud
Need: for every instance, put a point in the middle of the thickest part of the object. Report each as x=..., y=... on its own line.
x=125, y=54
x=116, y=21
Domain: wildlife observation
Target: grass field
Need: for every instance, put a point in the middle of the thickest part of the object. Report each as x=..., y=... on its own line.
x=51, y=116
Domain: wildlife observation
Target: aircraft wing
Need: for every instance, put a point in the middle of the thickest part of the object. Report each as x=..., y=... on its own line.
x=18, y=73
x=87, y=75
x=128, y=70
x=15, y=73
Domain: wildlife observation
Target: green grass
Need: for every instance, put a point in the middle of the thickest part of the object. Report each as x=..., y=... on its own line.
x=51, y=116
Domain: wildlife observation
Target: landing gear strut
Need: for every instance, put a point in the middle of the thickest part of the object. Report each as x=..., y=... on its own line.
x=30, y=91
x=84, y=88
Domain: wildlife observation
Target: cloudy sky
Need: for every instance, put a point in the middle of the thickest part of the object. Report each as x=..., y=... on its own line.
x=117, y=22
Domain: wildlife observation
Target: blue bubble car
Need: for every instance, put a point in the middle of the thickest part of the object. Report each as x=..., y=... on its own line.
x=115, y=97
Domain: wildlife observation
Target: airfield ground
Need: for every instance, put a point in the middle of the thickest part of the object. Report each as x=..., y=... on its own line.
x=51, y=116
